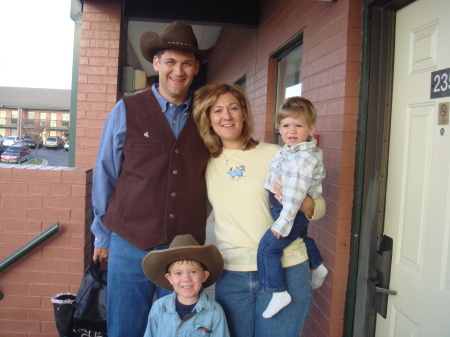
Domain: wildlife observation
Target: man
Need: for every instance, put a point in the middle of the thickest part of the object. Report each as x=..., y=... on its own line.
x=149, y=177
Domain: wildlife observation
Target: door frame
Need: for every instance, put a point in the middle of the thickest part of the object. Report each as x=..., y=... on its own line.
x=373, y=133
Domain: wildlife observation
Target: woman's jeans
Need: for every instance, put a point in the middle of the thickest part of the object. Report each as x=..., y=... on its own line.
x=129, y=292
x=244, y=302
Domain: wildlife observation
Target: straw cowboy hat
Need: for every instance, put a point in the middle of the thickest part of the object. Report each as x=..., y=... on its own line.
x=183, y=247
x=176, y=35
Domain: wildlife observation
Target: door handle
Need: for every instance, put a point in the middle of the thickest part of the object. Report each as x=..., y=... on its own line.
x=373, y=283
x=379, y=284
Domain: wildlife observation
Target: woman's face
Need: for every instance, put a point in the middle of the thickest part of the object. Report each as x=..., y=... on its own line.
x=227, y=120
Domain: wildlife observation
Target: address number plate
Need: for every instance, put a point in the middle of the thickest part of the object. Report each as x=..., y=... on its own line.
x=440, y=83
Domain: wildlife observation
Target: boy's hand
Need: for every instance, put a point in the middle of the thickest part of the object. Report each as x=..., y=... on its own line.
x=307, y=206
x=278, y=190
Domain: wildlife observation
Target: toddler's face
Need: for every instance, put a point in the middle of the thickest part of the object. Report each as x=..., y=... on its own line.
x=295, y=130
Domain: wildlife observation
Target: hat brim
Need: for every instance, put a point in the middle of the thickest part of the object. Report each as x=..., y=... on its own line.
x=155, y=263
x=151, y=42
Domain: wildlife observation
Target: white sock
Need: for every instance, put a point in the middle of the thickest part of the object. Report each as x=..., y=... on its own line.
x=318, y=276
x=278, y=302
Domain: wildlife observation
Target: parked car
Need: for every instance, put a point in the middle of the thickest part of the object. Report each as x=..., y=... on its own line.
x=10, y=140
x=66, y=146
x=32, y=142
x=16, y=153
x=55, y=142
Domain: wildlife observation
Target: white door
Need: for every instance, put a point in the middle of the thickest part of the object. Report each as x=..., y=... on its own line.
x=418, y=191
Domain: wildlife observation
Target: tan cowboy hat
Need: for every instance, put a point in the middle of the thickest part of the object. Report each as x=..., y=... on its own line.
x=183, y=247
x=176, y=35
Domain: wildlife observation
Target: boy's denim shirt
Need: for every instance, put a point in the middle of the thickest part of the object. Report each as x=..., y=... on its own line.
x=207, y=319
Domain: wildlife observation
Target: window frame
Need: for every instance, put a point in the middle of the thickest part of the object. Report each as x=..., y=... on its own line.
x=280, y=54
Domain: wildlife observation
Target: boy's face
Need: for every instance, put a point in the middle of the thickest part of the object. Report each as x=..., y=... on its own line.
x=187, y=278
x=295, y=130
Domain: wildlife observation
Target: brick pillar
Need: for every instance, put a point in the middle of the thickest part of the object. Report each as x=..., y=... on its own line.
x=98, y=75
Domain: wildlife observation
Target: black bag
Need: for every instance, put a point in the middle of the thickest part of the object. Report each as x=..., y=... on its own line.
x=90, y=304
x=64, y=309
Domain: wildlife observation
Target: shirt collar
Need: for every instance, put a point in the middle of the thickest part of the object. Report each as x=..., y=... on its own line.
x=305, y=146
x=164, y=104
x=202, y=303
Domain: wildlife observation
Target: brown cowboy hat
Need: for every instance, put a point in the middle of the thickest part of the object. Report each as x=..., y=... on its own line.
x=176, y=35
x=183, y=247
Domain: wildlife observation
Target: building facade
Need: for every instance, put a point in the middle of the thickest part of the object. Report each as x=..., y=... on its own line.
x=22, y=108
x=368, y=66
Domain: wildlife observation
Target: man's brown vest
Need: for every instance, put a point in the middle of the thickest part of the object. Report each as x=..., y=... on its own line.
x=161, y=190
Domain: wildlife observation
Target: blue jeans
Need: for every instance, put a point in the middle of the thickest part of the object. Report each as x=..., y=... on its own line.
x=243, y=302
x=129, y=292
x=270, y=249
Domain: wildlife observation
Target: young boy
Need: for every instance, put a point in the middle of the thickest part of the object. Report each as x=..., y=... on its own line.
x=185, y=267
x=300, y=165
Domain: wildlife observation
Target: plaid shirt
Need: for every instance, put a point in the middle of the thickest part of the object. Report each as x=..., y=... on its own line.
x=301, y=168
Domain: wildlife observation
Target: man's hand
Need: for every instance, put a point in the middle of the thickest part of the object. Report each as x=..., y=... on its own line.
x=100, y=254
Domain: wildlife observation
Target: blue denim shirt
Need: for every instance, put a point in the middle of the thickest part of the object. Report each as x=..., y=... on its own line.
x=207, y=319
x=109, y=157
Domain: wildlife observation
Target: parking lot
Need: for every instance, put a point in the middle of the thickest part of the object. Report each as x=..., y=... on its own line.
x=55, y=157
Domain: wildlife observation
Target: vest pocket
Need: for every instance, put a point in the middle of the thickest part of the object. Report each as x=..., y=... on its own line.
x=146, y=145
x=123, y=191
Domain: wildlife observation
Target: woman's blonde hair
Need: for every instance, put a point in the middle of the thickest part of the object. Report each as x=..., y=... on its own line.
x=204, y=98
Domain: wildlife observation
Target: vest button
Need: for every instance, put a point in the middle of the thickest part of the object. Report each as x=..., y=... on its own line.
x=173, y=194
x=171, y=216
x=175, y=172
x=177, y=151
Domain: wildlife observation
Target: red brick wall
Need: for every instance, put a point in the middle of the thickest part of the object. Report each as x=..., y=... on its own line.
x=98, y=75
x=33, y=199
x=331, y=70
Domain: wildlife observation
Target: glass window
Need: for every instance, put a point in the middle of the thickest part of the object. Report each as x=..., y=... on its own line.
x=242, y=82
x=289, y=76
x=14, y=116
x=65, y=119
x=30, y=117
x=52, y=120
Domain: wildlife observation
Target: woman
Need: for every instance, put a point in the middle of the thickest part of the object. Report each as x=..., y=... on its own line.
x=235, y=177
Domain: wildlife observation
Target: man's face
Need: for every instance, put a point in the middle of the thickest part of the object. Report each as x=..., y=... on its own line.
x=176, y=70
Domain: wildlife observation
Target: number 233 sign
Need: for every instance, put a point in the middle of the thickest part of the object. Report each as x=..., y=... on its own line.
x=440, y=83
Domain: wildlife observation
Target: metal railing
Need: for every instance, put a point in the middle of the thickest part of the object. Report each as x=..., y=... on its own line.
x=28, y=248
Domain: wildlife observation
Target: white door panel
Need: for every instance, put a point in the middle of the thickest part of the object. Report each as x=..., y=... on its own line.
x=417, y=214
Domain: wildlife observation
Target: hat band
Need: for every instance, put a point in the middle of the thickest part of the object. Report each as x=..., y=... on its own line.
x=171, y=263
x=183, y=44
